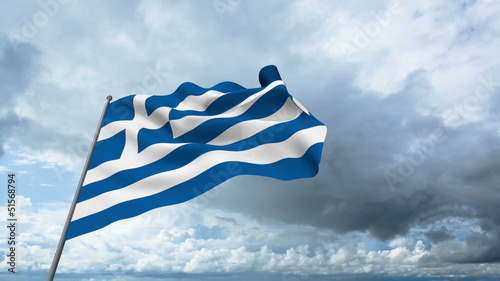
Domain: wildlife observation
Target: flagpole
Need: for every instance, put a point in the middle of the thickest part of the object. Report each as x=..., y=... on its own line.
x=62, y=240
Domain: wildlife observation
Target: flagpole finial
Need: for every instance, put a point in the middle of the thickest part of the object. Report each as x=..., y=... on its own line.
x=109, y=97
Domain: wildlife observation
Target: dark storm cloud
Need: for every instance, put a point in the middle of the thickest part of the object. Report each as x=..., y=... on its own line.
x=18, y=65
x=436, y=236
x=439, y=172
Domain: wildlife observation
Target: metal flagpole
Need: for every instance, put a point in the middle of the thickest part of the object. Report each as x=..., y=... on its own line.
x=62, y=240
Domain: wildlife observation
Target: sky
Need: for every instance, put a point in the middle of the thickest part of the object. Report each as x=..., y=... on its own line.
x=409, y=184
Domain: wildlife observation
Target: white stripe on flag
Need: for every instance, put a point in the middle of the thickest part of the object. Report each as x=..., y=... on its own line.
x=201, y=102
x=151, y=154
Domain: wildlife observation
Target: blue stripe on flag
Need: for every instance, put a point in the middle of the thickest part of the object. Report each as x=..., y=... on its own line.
x=107, y=150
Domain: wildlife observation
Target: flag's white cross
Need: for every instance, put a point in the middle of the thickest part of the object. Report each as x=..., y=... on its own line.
x=141, y=120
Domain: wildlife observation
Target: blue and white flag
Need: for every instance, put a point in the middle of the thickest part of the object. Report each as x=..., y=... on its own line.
x=155, y=151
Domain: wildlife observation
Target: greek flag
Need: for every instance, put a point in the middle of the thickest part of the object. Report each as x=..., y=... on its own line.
x=154, y=151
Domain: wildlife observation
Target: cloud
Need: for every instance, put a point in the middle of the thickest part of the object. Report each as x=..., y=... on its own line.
x=436, y=236
x=29, y=126
x=441, y=171
x=180, y=239
x=388, y=167
x=18, y=66
x=368, y=133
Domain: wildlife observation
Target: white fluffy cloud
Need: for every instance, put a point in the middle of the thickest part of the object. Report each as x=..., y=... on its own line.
x=192, y=240
x=390, y=40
